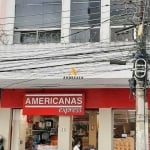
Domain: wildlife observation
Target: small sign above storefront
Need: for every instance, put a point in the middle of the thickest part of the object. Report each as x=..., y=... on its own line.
x=73, y=74
x=54, y=104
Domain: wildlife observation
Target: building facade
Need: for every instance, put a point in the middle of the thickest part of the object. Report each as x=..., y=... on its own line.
x=66, y=49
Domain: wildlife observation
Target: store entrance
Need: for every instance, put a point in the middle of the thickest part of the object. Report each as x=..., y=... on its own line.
x=86, y=128
x=124, y=129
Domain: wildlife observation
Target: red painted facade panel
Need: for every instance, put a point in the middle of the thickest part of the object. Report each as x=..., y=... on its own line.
x=109, y=98
x=12, y=98
x=94, y=98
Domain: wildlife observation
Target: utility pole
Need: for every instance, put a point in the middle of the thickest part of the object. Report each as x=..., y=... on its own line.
x=140, y=76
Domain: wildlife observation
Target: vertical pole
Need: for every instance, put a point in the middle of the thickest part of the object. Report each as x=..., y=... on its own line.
x=146, y=126
x=141, y=109
x=140, y=116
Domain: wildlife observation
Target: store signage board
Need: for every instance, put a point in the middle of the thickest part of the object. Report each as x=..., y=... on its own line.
x=54, y=104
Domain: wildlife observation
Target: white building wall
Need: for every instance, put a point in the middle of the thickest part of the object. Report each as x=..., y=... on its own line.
x=54, y=61
x=7, y=16
x=2, y=20
x=9, y=22
x=65, y=21
x=105, y=22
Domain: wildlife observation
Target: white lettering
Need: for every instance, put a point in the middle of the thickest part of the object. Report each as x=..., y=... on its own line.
x=28, y=101
x=41, y=100
x=74, y=101
x=67, y=100
x=49, y=100
x=35, y=100
x=55, y=100
x=61, y=101
x=70, y=110
x=79, y=100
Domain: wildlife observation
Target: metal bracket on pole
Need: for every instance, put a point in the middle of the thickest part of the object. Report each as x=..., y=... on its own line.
x=140, y=68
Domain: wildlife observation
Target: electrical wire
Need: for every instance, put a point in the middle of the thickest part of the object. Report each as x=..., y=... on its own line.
x=53, y=57
x=119, y=70
x=79, y=55
x=63, y=57
x=61, y=49
x=67, y=48
x=58, y=65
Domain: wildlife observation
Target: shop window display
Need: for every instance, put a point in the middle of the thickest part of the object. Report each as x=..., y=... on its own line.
x=42, y=133
x=85, y=129
x=124, y=129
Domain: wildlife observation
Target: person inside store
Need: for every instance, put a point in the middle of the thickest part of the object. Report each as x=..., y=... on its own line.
x=29, y=143
x=1, y=143
x=77, y=144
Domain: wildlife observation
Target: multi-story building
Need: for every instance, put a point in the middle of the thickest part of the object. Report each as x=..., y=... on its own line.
x=66, y=49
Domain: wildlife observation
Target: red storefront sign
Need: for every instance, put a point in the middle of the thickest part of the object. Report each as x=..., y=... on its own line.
x=53, y=104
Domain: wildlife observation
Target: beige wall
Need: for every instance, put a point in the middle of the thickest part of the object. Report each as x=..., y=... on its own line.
x=65, y=133
x=93, y=128
x=105, y=134
x=18, y=130
x=5, y=126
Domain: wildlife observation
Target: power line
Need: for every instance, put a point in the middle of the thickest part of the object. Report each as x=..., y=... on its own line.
x=65, y=56
x=76, y=45
x=72, y=54
x=51, y=66
x=70, y=47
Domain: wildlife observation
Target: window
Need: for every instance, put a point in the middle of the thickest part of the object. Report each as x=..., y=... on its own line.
x=123, y=36
x=28, y=37
x=122, y=15
x=38, y=15
x=85, y=17
x=85, y=35
x=49, y=36
x=122, y=12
